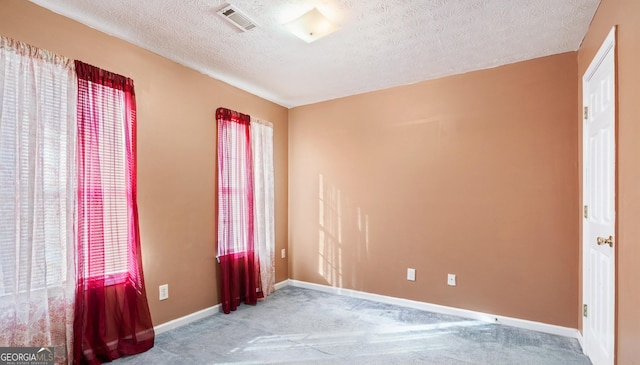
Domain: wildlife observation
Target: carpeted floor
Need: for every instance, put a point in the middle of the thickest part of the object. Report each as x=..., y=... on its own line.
x=302, y=326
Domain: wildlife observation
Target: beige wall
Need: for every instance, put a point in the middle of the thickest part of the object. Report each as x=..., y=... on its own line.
x=626, y=15
x=474, y=174
x=176, y=153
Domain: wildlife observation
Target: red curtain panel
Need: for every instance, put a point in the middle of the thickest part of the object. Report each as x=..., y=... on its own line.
x=240, y=279
x=112, y=316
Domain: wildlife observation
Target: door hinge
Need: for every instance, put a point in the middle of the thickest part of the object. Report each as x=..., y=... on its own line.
x=585, y=311
x=586, y=112
x=585, y=211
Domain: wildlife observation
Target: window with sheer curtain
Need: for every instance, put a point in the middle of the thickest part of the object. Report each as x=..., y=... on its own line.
x=245, y=208
x=70, y=264
x=112, y=317
x=37, y=198
x=103, y=174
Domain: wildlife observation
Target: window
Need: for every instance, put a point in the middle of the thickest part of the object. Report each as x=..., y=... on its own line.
x=104, y=172
x=235, y=185
x=36, y=170
x=110, y=286
x=67, y=206
x=245, y=208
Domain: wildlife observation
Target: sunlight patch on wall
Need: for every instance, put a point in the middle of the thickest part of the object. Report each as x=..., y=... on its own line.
x=363, y=234
x=329, y=233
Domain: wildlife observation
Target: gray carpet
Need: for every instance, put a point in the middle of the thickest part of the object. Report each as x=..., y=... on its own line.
x=302, y=326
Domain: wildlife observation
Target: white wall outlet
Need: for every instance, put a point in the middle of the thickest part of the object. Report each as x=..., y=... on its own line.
x=283, y=253
x=451, y=279
x=164, y=291
x=411, y=274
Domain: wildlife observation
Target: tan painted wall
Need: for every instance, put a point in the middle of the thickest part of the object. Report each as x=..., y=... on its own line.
x=176, y=153
x=625, y=14
x=474, y=174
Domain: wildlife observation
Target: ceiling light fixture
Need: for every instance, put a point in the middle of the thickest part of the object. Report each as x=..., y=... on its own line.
x=311, y=26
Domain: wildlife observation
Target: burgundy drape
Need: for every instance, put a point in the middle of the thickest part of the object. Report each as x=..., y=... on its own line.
x=112, y=316
x=240, y=279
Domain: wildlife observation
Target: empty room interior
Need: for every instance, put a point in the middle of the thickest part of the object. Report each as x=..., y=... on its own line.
x=428, y=157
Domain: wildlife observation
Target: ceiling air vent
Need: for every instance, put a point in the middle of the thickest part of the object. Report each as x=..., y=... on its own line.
x=235, y=17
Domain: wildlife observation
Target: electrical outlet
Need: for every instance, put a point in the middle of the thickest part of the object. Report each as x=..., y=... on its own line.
x=411, y=274
x=451, y=279
x=283, y=253
x=164, y=291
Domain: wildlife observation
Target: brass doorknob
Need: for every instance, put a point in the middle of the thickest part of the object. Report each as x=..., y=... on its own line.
x=605, y=241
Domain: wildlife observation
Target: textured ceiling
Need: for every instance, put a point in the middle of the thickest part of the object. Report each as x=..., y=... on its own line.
x=380, y=43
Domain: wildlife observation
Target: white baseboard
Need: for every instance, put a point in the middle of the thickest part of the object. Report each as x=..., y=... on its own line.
x=581, y=342
x=179, y=322
x=282, y=284
x=485, y=317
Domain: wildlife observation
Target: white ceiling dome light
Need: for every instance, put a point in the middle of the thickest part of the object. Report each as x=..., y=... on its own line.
x=311, y=26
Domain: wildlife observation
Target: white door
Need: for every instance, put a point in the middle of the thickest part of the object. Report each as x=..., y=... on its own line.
x=599, y=205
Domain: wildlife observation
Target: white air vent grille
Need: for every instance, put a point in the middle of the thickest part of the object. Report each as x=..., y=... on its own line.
x=235, y=17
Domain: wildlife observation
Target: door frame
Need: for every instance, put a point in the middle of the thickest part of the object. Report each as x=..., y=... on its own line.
x=608, y=45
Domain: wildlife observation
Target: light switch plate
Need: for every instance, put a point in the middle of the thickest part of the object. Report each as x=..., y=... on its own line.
x=411, y=274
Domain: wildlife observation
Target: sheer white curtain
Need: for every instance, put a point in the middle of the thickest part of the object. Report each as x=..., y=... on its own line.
x=37, y=198
x=264, y=228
